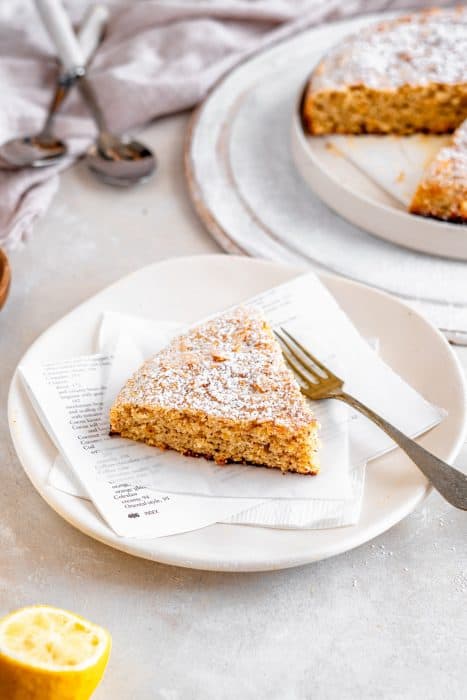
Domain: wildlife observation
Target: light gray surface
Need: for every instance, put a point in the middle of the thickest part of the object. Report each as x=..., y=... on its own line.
x=388, y=620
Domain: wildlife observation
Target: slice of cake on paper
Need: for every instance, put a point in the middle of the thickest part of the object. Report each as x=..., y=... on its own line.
x=442, y=193
x=224, y=392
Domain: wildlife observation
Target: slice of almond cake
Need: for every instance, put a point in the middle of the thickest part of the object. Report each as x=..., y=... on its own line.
x=442, y=193
x=222, y=391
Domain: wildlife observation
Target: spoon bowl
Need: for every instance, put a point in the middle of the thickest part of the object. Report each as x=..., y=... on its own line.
x=37, y=151
x=120, y=162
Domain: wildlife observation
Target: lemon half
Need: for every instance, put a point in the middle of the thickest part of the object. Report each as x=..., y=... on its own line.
x=50, y=654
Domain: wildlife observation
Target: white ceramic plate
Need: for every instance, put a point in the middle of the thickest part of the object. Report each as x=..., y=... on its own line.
x=355, y=196
x=185, y=289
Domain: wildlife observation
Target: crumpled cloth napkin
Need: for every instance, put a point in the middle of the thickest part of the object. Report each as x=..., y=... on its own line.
x=157, y=58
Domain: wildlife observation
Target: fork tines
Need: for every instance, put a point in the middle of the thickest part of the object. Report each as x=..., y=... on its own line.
x=303, y=362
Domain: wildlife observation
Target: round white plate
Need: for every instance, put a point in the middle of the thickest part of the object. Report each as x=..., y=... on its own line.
x=353, y=195
x=185, y=289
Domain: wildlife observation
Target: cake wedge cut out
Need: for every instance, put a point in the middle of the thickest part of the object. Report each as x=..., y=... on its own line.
x=442, y=192
x=222, y=391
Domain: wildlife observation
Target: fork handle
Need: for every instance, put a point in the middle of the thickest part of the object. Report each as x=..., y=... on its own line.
x=449, y=482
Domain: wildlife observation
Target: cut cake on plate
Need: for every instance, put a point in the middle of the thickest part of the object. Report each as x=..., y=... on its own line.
x=402, y=76
x=222, y=391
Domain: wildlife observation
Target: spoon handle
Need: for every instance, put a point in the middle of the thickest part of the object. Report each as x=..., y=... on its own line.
x=92, y=30
x=58, y=25
x=92, y=103
x=61, y=32
x=89, y=37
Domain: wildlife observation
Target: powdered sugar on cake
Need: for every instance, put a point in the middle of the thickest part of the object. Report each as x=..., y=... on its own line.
x=455, y=156
x=219, y=368
x=430, y=47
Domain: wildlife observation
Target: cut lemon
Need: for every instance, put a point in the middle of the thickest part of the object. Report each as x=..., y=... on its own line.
x=50, y=654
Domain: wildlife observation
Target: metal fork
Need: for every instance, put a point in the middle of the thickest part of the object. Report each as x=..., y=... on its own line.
x=318, y=382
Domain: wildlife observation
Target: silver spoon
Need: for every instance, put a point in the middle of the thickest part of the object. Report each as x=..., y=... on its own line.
x=44, y=149
x=115, y=160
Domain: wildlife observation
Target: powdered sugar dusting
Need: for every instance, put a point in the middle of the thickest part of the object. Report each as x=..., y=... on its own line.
x=429, y=47
x=450, y=164
x=230, y=366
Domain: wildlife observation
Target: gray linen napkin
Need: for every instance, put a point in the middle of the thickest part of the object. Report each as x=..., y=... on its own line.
x=157, y=58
